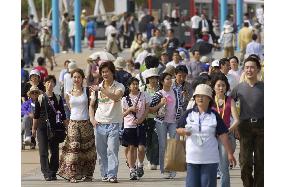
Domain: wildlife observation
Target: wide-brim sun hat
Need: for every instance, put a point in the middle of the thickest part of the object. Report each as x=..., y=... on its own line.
x=34, y=89
x=35, y=72
x=114, y=18
x=170, y=69
x=204, y=59
x=203, y=89
x=120, y=62
x=152, y=72
x=72, y=65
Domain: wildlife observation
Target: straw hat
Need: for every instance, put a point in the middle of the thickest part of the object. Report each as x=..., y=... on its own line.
x=33, y=89
x=119, y=62
x=203, y=89
x=114, y=18
x=152, y=72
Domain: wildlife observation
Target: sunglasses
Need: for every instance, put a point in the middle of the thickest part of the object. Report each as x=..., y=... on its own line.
x=34, y=93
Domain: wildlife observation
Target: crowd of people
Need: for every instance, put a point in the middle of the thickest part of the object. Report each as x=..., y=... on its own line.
x=162, y=91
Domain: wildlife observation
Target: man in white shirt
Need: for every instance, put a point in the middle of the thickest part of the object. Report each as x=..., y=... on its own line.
x=224, y=68
x=254, y=48
x=195, y=24
x=72, y=32
x=111, y=27
x=141, y=56
x=67, y=81
x=176, y=60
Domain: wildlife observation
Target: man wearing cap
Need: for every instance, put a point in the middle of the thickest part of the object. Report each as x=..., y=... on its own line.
x=215, y=67
x=250, y=94
x=121, y=75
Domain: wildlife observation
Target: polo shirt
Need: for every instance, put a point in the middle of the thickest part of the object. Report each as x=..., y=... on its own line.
x=109, y=111
x=209, y=124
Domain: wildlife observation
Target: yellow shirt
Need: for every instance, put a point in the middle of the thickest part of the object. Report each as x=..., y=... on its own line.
x=244, y=38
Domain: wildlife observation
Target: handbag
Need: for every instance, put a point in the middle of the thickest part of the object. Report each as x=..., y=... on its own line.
x=175, y=155
x=57, y=134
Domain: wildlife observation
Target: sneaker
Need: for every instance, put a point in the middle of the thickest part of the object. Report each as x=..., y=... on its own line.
x=133, y=175
x=112, y=180
x=166, y=175
x=172, y=174
x=153, y=167
x=28, y=140
x=140, y=171
x=105, y=179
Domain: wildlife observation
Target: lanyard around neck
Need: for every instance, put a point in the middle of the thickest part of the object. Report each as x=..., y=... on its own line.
x=218, y=109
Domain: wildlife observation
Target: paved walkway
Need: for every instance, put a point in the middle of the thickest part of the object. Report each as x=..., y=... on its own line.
x=30, y=168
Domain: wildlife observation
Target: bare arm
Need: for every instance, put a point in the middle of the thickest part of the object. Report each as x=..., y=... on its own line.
x=113, y=96
x=91, y=112
x=156, y=108
x=235, y=116
x=225, y=141
x=182, y=132
x=34, y=127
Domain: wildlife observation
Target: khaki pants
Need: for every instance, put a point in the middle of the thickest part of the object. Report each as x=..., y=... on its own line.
x=242, y=54
x=228, y=52
x=252, y=153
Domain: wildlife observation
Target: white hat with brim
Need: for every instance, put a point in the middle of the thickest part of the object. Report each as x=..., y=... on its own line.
x=33, y=89
x=114, y=18
x=72, y=65
x=152, y=72
x=170, y=69
x=119, y=62
x=203, y=89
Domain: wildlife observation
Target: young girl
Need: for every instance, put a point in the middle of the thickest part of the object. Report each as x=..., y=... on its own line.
x=135, y=110
x=167, y=103
x=226, y=107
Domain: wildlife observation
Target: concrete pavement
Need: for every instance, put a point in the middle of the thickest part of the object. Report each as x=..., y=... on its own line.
x=30, y=167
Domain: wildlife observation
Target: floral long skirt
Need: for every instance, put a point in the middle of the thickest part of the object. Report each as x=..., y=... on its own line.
x=78, y=158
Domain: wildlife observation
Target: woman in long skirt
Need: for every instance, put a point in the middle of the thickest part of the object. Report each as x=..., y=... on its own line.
x=78, y=157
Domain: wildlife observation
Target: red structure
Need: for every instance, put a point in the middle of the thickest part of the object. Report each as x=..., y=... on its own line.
x=191, y=8
x=150, y=7
x=216, y=9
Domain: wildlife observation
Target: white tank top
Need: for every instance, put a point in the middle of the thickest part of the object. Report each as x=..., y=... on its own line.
x=79, y=106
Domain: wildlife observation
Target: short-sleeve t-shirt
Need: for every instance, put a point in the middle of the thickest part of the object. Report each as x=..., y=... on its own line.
x=109, y=111
x=143, y=100
x=171, y=106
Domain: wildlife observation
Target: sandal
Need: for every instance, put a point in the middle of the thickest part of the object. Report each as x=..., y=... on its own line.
x=73, y=180
x=112, y=180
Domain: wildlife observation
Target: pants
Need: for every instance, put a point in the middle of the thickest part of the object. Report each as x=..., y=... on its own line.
x=252, y=142
x=107, y=143
x=72, y=42
x=152, y=145
x=91, y=40
x=126, y=41
x=224, y=163
x=28, y=53
x=228, y=52
x=49, y=166
x=27, y=125
x=201, y=175
x=242, y=54
x=65, y=42
x=163, y=129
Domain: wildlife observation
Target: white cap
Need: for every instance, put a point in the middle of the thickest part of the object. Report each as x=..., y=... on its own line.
x=72, y=65
x=35, y=72
x=215, y=63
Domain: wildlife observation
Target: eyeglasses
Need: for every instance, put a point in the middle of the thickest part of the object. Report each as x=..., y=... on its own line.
x=34, y=93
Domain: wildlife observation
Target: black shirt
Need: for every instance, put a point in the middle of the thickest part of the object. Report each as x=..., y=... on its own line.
x=40, y=109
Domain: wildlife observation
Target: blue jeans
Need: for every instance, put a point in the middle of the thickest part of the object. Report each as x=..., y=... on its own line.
x=163, y=129
x=28, y=53
x=201, y=175
x=27, y=125
x=224, y=163
x=107, y=143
